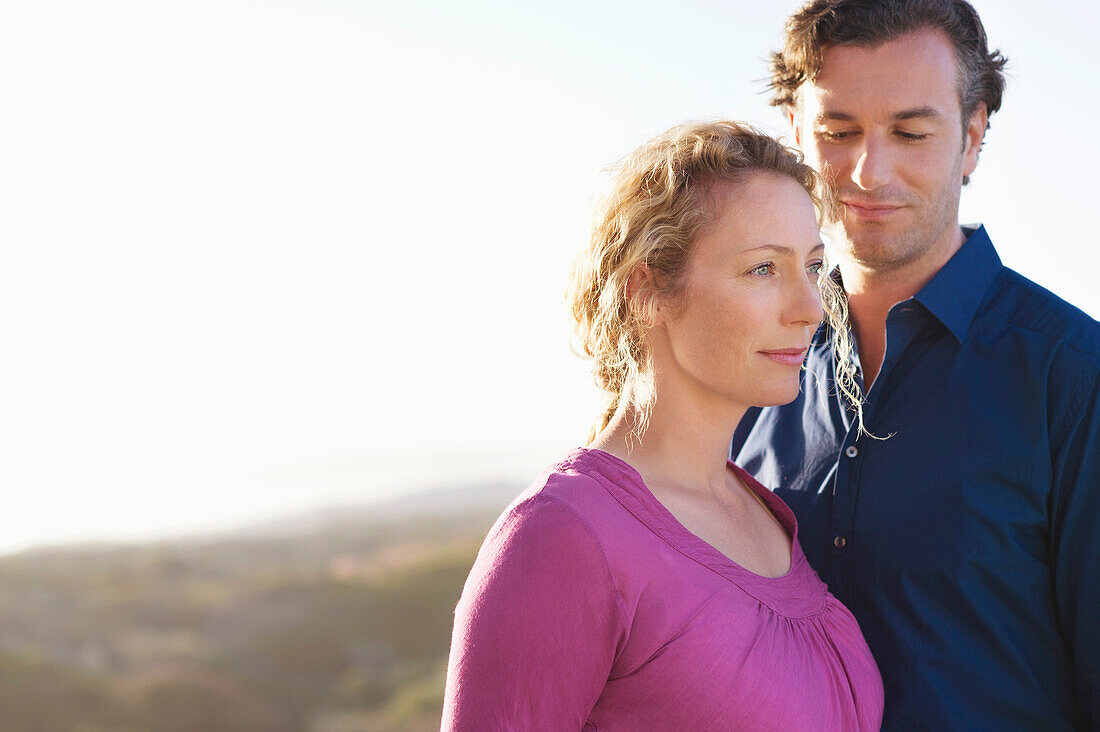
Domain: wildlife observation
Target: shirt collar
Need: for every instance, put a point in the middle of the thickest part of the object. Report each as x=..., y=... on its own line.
x=954, y=294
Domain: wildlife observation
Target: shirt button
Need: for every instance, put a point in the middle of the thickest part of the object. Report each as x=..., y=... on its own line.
x=851, y=451
x=839, y=542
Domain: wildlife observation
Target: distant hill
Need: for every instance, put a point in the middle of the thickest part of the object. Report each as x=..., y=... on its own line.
x=444, y=500
x=336, y=620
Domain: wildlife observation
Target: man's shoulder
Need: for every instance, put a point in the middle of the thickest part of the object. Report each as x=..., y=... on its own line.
x=1023, y=304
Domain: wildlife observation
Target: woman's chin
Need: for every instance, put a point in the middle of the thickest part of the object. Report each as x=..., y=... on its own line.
x=778, y=397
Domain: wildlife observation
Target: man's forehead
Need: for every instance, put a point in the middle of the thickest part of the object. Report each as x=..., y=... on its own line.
x=916, y=71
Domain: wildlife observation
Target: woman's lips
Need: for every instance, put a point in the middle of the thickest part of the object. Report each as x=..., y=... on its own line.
x=787, y=356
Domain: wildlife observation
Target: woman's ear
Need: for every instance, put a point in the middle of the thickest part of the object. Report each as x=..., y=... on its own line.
x=643, y=296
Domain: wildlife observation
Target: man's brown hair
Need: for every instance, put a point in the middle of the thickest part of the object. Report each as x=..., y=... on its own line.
x=870, y=23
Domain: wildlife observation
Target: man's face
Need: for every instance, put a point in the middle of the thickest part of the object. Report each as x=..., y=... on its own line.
x=884, y=127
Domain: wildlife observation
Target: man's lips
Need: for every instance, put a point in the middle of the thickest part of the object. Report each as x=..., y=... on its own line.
x=867, y=210
x=787, y=356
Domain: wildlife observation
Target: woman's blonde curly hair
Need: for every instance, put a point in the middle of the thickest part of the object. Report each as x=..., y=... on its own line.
x=651, y=217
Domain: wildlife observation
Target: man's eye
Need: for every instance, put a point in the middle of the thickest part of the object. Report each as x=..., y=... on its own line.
x=911, y=136
x=835, y=135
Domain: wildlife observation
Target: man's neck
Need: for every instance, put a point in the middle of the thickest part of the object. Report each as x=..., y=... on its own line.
x=872, y=292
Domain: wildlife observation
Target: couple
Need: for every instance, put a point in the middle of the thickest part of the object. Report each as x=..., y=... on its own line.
x=938, y=443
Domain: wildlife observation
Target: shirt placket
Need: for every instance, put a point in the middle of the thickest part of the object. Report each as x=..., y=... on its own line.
x=901, y=328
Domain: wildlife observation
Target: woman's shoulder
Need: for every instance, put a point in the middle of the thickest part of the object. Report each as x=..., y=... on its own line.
x=568, y=496
x=551, y=542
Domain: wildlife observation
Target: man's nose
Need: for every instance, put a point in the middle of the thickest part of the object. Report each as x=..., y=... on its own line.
x=873, y=166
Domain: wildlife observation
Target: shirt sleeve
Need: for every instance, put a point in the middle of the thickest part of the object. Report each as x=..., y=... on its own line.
x=1075, y=546
x=537, y=627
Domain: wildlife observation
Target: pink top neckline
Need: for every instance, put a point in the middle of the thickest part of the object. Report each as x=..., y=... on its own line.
x=795, y=595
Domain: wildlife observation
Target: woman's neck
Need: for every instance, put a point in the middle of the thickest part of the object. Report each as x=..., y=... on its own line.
x=684, y=443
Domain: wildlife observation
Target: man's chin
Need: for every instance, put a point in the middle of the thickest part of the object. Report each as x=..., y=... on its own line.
x=860, y=233
x=870, y=248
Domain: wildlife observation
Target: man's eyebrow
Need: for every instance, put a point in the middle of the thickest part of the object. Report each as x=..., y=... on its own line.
x=918, y=113
x=914, y=113
x=833, y=117
x=780, y=249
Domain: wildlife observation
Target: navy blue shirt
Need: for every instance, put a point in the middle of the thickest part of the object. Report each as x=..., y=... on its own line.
x=966, y=543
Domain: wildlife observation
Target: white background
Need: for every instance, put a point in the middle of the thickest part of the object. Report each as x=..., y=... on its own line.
x=262, y=256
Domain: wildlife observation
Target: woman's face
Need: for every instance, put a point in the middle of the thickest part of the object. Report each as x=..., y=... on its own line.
x=750, y=301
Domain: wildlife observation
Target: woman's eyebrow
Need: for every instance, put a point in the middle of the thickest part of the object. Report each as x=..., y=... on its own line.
x=780, y=249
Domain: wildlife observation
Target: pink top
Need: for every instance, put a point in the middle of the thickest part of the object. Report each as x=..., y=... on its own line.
x=590, y=606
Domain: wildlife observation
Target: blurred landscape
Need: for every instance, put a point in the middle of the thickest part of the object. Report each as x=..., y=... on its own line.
x=339, y=620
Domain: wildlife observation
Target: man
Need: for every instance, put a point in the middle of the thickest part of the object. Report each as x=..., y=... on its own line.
x=962, y=528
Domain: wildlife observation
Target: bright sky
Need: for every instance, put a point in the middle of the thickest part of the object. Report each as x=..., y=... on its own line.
x=261, y=256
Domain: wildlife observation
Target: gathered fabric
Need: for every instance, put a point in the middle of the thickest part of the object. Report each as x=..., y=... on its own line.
x=591, y=606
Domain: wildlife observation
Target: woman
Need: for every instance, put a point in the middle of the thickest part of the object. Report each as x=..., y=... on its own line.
x=645, y=582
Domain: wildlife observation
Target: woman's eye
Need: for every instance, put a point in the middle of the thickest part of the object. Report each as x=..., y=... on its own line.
x=815, y=268
x=763, y=270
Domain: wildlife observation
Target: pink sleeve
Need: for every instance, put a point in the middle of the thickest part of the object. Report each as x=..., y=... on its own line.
x=537, y=627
